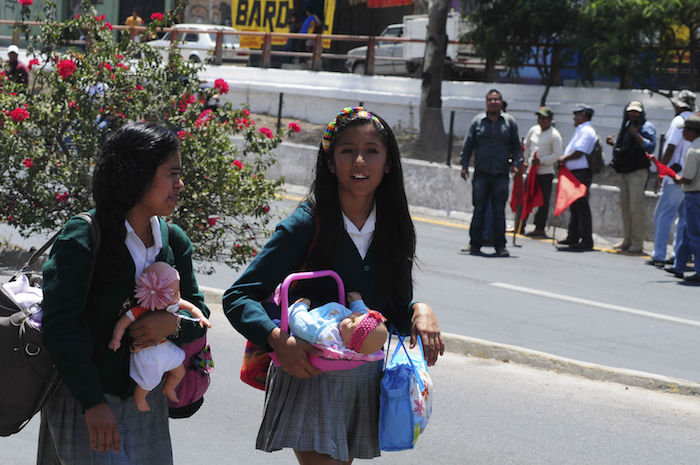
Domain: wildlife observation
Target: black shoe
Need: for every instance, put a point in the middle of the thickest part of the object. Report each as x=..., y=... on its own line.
x=536, y=233
x=502, y=252
x=671, y=269
x=693, y=278
x=567, y=241
x=471, y=250
x=582, y=246
x=656, y=263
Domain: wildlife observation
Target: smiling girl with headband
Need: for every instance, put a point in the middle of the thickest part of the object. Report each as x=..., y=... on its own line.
x=355, y=222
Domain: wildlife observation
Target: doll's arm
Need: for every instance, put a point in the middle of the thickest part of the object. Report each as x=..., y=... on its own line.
x=118, y=332
x=195, y=312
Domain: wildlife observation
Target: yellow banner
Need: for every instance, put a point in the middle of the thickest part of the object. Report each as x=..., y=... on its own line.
x=271, y=16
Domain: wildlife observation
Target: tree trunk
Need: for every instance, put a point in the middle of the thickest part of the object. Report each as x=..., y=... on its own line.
x=432, y=131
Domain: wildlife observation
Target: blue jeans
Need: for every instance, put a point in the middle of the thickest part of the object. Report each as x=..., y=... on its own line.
x=688, y=232
x=494, y=188
x=667, y=208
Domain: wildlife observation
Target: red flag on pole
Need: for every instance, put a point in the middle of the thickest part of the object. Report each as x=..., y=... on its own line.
x=570, y=189
x=533, y=192
x=661, y=168
x=516, y=195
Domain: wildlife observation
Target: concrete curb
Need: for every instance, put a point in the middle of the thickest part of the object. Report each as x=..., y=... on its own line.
x=480, y=348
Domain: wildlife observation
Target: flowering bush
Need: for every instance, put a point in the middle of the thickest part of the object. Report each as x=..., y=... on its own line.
x=50, y=134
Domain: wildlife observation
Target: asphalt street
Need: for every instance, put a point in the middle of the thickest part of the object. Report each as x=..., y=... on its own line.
x=485, y=413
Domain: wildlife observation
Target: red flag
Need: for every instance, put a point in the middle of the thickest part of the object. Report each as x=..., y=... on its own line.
x=570, y=189
x=516, y=195
x=661, y=168
x=533, y=192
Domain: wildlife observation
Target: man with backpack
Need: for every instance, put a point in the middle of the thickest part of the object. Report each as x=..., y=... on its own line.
x=575, y=158
x=636, y=138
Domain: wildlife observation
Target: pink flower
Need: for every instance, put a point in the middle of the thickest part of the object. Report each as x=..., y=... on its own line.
x=294, y=127
x=33, y=62
x=62, y=197
x=221, y=85
x=119, y=56
x=246, y=112
x=139, y=87
x=212, y=220
x=182, y=134
x=157, y=16
x=28, y=162
x=123, y=66
x=238, y=164
x=109, y=26
x=265, y=208
x=267, y=132
x=26, y=2
x=100, y=18
x=71, y=104
x=203, y=118
x=19, y=114
x=66, y=68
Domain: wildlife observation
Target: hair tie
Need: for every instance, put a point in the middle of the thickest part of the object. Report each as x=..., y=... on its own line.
x=347, y=114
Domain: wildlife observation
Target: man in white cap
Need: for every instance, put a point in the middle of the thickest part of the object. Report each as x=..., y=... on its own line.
x=636, y=138
x=16, y=71
x=689, y=178
x=669, y=203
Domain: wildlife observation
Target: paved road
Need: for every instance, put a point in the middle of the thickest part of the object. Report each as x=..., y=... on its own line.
x=485, y=412
x=596, y=307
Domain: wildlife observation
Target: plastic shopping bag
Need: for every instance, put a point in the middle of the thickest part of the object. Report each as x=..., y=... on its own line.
x=406, y=399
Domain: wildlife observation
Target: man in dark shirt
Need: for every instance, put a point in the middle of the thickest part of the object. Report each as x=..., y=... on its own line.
x=494, y=140
x=16, y=71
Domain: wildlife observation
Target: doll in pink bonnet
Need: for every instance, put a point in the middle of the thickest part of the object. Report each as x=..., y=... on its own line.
x=158, y=288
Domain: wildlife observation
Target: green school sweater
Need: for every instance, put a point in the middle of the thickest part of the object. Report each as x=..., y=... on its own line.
x=77, y=335
x=285, y=253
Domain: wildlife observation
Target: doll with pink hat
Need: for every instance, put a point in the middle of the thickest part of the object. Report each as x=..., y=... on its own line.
x=333, y=325
x=158, y=288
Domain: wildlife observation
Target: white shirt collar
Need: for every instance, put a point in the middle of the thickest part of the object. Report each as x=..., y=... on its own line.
x=362, y=238
x=140, y=254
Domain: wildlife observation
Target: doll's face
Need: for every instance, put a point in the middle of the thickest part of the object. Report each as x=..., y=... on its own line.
x=347, y=326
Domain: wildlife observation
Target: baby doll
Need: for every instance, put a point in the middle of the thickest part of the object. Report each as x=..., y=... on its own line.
x=157, y=288
x=356, y=328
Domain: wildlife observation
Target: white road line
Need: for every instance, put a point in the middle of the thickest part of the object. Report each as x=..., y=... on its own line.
x=593, y=303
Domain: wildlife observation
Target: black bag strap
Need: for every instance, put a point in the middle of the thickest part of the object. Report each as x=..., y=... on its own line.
x=95, y=237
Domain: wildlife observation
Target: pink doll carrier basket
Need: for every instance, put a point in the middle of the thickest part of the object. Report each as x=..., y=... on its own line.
x=332, y=360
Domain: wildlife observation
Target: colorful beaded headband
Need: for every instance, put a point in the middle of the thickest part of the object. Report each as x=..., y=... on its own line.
x=345, y=114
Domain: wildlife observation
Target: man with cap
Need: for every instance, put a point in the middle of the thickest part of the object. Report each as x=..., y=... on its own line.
x=16, y=71
x=689, y=178
x=636, y=138
x=494, y=141
x=668, y=207
x=580, y=231
x=543, y=147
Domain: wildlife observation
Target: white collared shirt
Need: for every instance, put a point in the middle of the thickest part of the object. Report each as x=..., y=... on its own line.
x=143, y=256
x=361, y=238
x=583, y=140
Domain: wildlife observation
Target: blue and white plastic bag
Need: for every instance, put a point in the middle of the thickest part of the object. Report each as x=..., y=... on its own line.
x=406, y=400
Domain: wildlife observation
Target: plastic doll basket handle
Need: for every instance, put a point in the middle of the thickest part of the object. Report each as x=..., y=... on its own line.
x=321, y=363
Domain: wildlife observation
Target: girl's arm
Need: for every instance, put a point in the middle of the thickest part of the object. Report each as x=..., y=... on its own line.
x=424, y=323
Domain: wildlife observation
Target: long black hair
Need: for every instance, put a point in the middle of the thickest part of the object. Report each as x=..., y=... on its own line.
x=394, y=235
x=124, y=171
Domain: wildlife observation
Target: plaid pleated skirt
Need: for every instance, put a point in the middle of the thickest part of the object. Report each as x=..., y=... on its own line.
x=335, y=413
x=64, y=438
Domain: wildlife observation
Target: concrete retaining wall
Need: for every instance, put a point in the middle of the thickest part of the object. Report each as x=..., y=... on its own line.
x=440, y=187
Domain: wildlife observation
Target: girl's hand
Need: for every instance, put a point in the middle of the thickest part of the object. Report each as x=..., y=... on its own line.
x=293, y=354
x=153, y=327
x=425, y=324
x=103, y=428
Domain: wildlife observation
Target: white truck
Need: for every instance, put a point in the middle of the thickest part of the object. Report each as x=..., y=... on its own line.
x=406, y=58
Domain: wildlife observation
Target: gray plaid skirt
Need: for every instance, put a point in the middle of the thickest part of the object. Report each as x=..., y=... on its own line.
x=335, y=413
x=145, y=436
